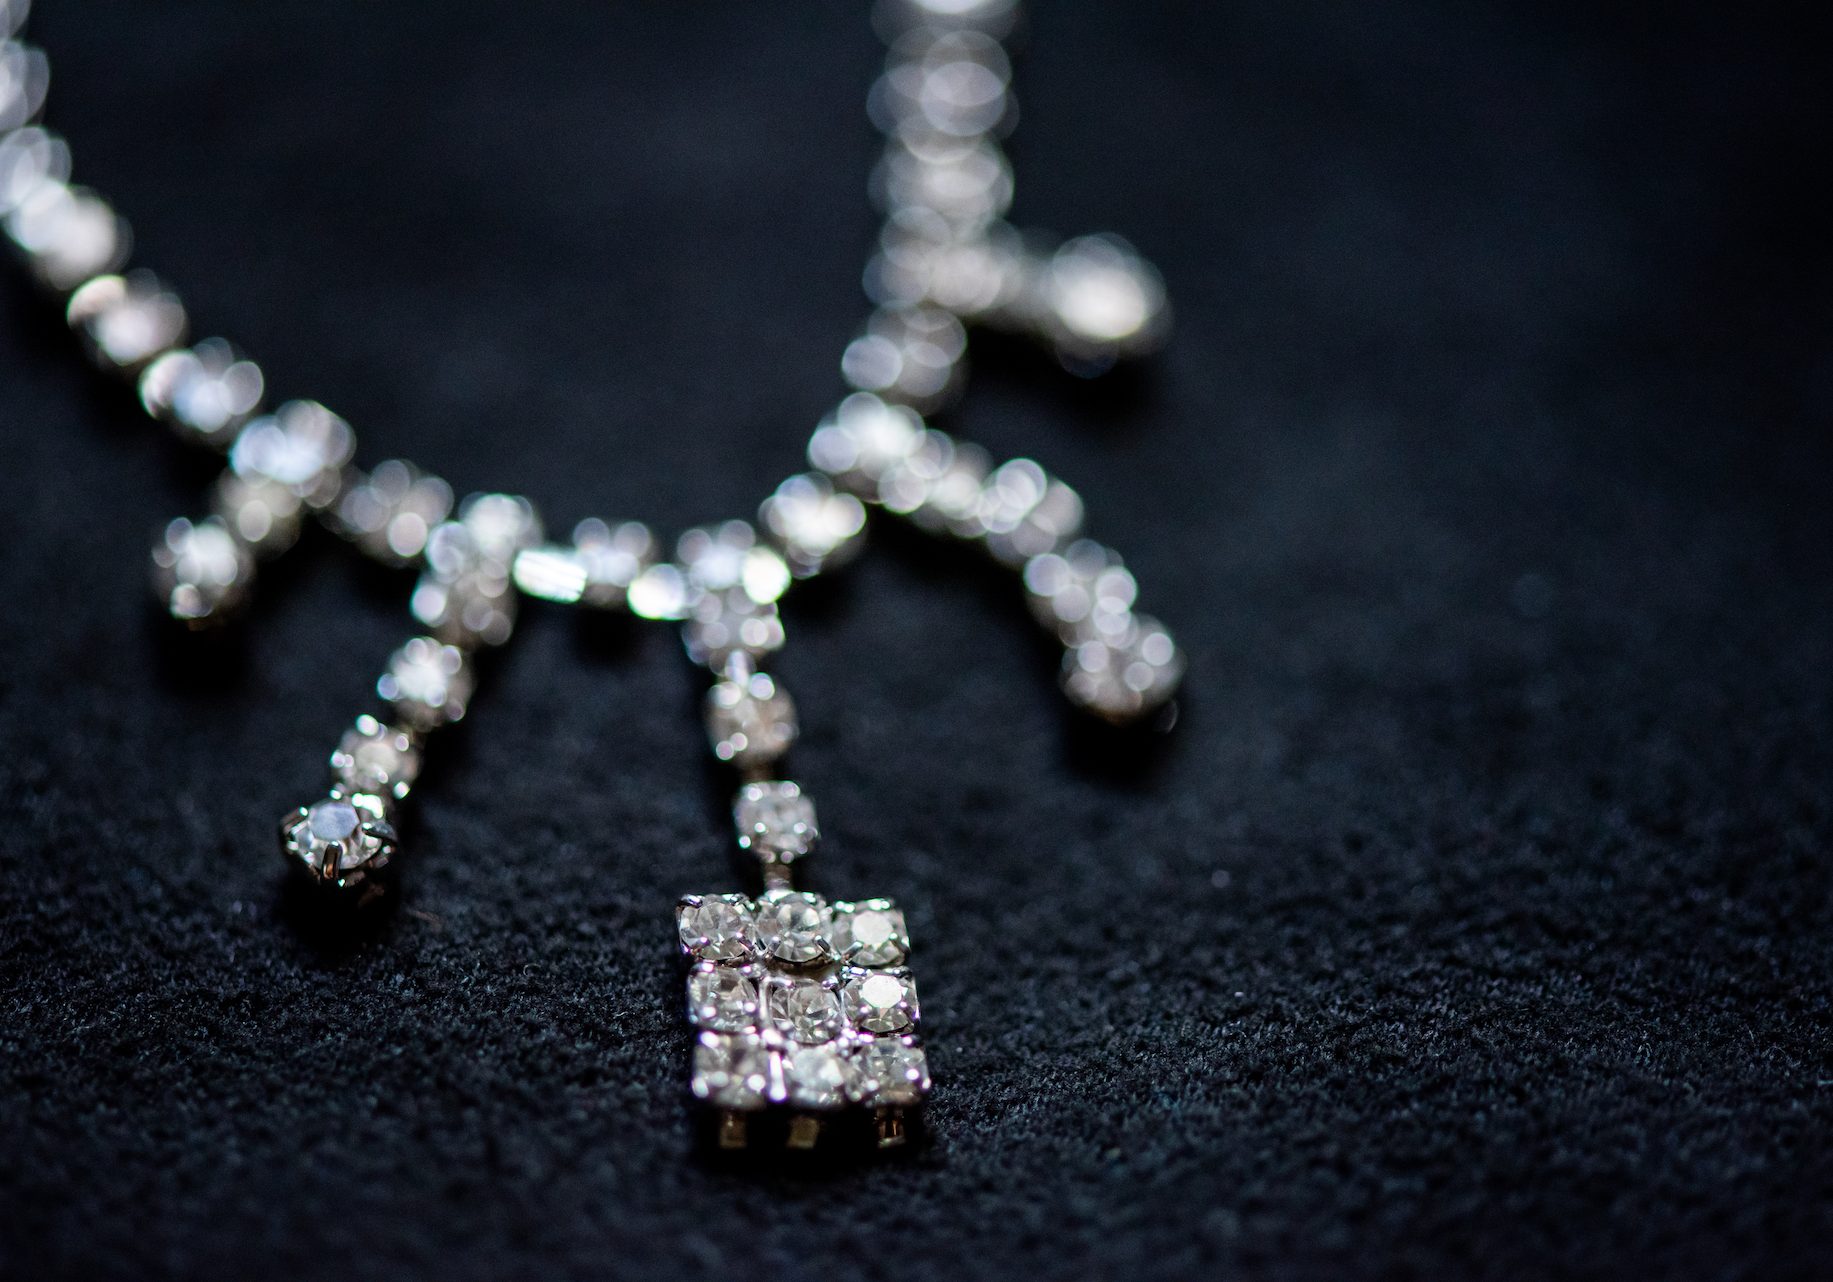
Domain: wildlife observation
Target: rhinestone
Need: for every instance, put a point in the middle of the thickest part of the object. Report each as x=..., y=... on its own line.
x=302, y=445
x=889, y=1071
x=815, y=1076
x=12, y=15
x=719, y=559
x=966, y=182
x=25, y=74
x=477, y=607
x=994, y=17
x=722, y=624
x=1122, y=679
x=802, y=1009
x=816, y=528
x=263, y=514
x=871, y=934
x=127, y=320
x=339, y=840
x=863, y=439
x=793, y=928
x=717, y=927
x=880, y=1001
x=1026, y=513
x=736, y=1070
x=1101, y=301
x=29, y=158
x=752, y=722
x=551, y=573
x=376, y=758
x=776, y=820
x=1083, y=592
x=200, y=571
x=207, y=390
x=954, y=84
x=613, y=558
x=500, y=525
x=428, y=683
x=924, y=257
x=660, y=592
x=910, y=355
x=392, y=512
x=69, y=234
x=722, y=998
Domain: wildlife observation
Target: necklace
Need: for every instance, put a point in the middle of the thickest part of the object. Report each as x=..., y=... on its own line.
x=804, y=1013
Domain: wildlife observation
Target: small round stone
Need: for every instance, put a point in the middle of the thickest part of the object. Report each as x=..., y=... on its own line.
x=340, y=840
x=206, y=391
x=750, y=723
x=302, y=445
x=793, y=928
x=201, y=572
x=863, y=440
x=376, y=758
x=660, y=592
x=263, y=514
x=68, y=234
x=392, y=512
x=29, y=158
x=722, y=998
x=910, y=355
x=872, y=934
x=500, y=525
x=1101, y=302
x=803, y=1010
x=613, y=558
x=881, y=1001
x=734, y=1070
x=889, y=1071
x=126, y=320
x=477, y=607
x=815, y=1075
x=1123, y=678
x=428, y=683
x=816, y=528
x=717, y=928
x=776, y=820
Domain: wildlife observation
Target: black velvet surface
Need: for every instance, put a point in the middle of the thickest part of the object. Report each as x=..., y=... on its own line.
x=1474, y=922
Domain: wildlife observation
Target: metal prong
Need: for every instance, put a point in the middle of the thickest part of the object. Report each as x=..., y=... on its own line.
x=890, y=1123
x=804, y=1130
x=777, y=875
x=731, y=1130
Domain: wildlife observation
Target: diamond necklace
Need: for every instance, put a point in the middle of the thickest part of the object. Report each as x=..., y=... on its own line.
x=804, y=1013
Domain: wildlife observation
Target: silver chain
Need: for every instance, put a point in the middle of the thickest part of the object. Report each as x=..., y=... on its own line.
x=946, y=259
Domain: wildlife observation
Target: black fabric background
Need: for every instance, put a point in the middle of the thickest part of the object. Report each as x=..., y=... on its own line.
x=1475, y=920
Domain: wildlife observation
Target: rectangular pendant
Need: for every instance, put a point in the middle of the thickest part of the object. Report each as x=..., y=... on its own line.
x=803, y=1010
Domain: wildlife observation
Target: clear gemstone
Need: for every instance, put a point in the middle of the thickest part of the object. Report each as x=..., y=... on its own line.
x=721, y=624
x=428, y=683
x=500, y=525
x=376, y=758
x=751, y=722
x=69, y=234
x=30, y=158
x=551, y=574
x=862, y=440
x=302, y=445
x=736, y=1070
x=775, y=819
x=1026, y=513
x=339, y=839
x=263, y=514
x=816, y=528
x=888, y=1070
x=722, y=998
x=660, y=592
x=613, y=558
x=1102, y=301
x=474, y=608
x=881, y=1001
x=24, y=76
x=200, y=571
x=717, y=928
x=801, y=1009
x=871, y=934
x=207, y=390
x=720, y=559
x=910, y=355
x=1125, y=676
x=392, y=512
x=1082, y=592
x=815, y=1076
x=793, y=928
x=127, y=320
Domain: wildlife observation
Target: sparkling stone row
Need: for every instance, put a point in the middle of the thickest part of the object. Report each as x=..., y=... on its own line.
x=946, y=258
x=800, y=1002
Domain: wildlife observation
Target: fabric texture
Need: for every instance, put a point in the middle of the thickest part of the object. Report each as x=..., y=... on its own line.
x=1473, y=922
